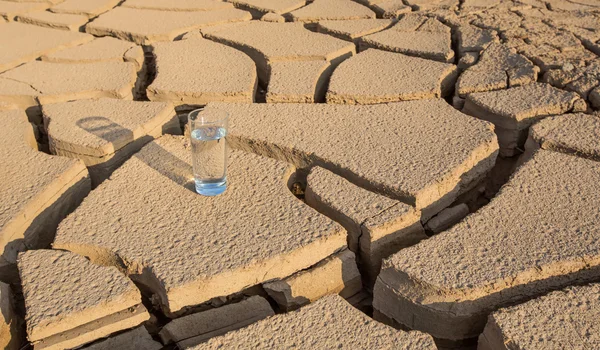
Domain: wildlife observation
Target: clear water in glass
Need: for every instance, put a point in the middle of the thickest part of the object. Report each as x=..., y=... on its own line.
x=209, y=152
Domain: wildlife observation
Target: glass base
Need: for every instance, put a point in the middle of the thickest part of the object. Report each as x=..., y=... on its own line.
x=210, y=188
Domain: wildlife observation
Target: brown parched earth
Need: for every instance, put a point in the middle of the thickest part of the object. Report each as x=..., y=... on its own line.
x=402, y=174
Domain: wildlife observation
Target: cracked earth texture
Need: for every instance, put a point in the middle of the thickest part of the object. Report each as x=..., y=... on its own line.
x=412, y=174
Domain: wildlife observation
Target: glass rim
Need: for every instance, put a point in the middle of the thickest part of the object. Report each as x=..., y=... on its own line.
x=203, y=109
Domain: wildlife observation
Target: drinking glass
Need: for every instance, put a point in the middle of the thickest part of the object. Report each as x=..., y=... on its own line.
x=208, y=128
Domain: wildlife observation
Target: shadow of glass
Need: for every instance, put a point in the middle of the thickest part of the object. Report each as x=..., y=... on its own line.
x=151, y=154
x=167, y=164
x=105, y=129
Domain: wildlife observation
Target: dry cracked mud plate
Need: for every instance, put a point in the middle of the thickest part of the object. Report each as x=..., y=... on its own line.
x=387, y=163
x=259, y=7
x=565, y=319
x=185, y=77
x=146, y=26
x=70, y=301
x=497, y=68
x=501, y=255
x=338, y=274
x=187, y=248
x=138, y=338
x=104, y=133
x=329, y=323
x=320, y=10
x=89, y=8
x=178, y=5
x=39, y=190
x=197, y=328
x=377, y=226
x=53, y=20
x=576, y=134
x=354, y=29
x=41, y=82
x=390, y=9
x=10, y=9
x=106, y=49
x=267, y=43
x=514, y=110
x=414, y=35
x=444, y=152
x=24, y=42
x=375, y=76
x=103, y=49
x=298, y=81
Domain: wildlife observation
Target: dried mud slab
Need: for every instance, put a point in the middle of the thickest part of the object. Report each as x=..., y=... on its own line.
x=562, y=60
x=387, y=8
x=447, y=218
x=328, y=323
x=9, y=336
x=145, y=27
x=104, y=49
x=138, y=338
x=498, y=68
x=570, y=5
x=177, y=5
x=266, y=6
x=89, y=8
x=548, y=47
x=499, y=20
x=43, y=82
x=352, y=30
x=54, y=20
x=298, y=81
x=552, y=40
x=445, y=150
x=321, y=10
x=338, y=274
x=197, y=328
x=196, y=71
x=18, y=95
x=377, y=226
x=582, y=80
x=421, y=5
x=267, y=43
x=10, y=9
x=197, y=248
x=466, y=61
x=272, y=17
x=70, y=302
x=502, y=254
x=476, y=6
x=584, y=25
x=24, y=42
x=39, y=190
x=513, y=110
x=473, y=39
x=576, y=134
x=104, y=133
x=376, y=76
x=566, y=319
x=107, y=49
x=414, y=35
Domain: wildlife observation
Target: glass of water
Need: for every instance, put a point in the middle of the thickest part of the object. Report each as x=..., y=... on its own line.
x=208, y=128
